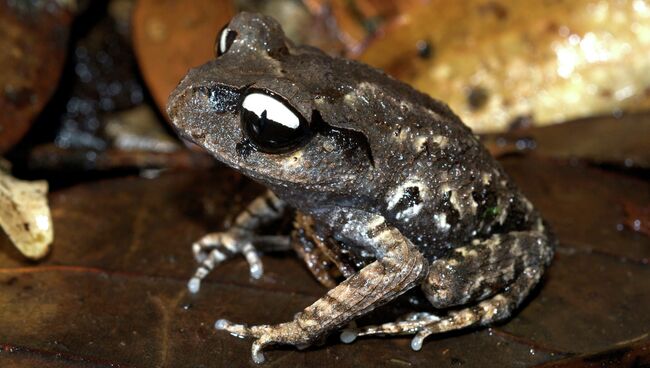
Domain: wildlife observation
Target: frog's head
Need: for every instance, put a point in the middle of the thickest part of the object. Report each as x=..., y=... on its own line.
x=288, y=115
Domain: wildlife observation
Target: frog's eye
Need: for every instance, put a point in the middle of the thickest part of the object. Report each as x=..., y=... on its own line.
x=271, y=124
x=226, y=37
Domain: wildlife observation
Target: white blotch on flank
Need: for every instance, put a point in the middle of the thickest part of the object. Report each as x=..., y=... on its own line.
x=275, y=110
x=486, y=177
x=396, y=194
x=419, y=143
x=455, y=201
x=440, y=140
x=409, y=212
x=441, y=221
x=376, y=221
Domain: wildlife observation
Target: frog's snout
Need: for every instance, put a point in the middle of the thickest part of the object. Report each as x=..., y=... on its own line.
x=176, y=102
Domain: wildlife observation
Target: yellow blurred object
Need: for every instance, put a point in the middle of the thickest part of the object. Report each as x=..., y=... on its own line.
x=25, y=215
x=498, y=62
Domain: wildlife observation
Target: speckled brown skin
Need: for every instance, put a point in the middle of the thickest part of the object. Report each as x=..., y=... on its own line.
x=386, y=176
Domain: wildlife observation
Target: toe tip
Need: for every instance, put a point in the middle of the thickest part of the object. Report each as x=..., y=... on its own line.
x=416, y=343
x=348, y=336
x=194, y=285
x=256, y=272
x=257, y=356
x=221, y=324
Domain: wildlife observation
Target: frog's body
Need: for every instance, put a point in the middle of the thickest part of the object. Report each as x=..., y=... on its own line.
x=392, y=189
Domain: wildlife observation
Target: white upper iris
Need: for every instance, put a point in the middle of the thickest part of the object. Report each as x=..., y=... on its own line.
x=275, y=110
x=223, y=41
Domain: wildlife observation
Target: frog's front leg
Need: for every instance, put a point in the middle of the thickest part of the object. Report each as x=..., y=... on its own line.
x=399, y=266
x=215, y=248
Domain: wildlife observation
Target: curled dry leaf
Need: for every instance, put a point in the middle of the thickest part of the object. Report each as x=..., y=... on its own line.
x=171, y=37
x=25, y=215
x=498, y=62
x=33, y=40
x=355, y=22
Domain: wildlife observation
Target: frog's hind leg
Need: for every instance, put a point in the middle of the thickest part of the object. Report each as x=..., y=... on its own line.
x=489, y=277
x=423, y=324
x=496, y=308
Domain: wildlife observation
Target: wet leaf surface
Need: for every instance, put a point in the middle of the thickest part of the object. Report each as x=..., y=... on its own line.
x=613, y=141
x=30, y=33
x=112, y=291
x=584, y=205
x=50, y=157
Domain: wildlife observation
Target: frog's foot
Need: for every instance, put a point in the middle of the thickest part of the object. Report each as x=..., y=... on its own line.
x=496, y=308
x=289, y=333
x=214, y=248
x=406, y=325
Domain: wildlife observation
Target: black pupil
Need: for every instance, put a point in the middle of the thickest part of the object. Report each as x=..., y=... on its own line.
x=230, y=37
x=272, y=136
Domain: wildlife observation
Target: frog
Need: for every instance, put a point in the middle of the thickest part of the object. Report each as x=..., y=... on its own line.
x=389, y=190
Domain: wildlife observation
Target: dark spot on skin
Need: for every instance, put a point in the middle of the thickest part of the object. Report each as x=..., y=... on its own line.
x=411, y=197
x=347, y=138
x=11, y=281
x=221, y=99
x=477, y=97
x=425, y=49
x=26, y=226
x=487, y=206
x=245, y=148
x=516, y=219
x=445, y=206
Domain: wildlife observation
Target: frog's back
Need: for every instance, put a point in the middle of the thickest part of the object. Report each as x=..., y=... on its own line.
x=435, y=180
